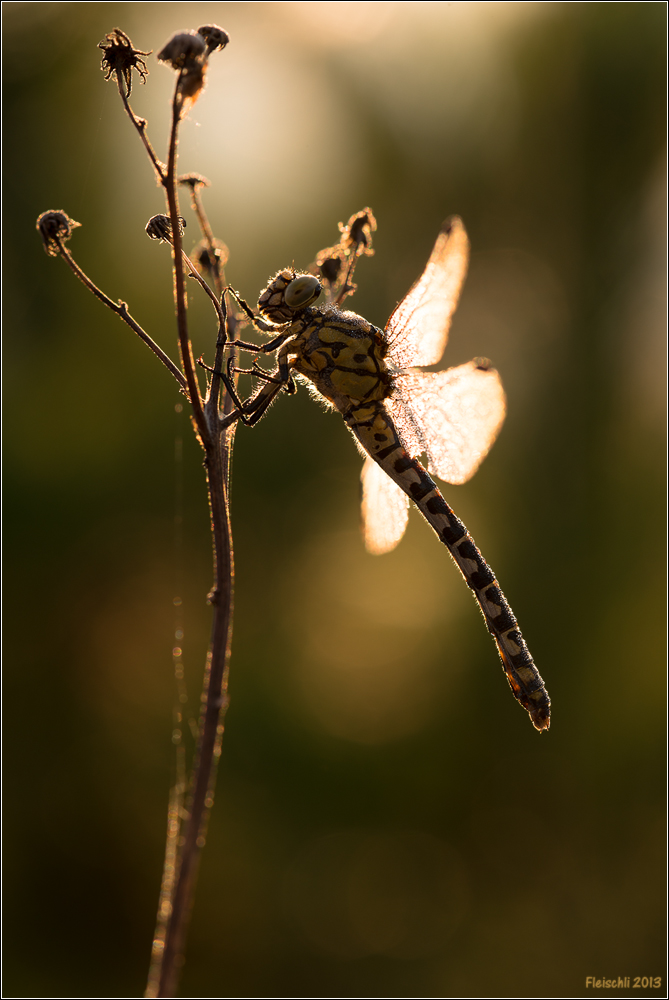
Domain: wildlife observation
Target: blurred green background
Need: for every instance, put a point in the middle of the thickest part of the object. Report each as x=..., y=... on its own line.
x=387, y=821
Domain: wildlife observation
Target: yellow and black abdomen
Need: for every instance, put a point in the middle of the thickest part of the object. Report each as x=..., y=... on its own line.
x=373, y=427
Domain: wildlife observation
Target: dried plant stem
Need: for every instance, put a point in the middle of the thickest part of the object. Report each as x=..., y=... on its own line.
x=230, y=333
x=205, y=227
x=187, y=823
x=203, y=285
x=185, y=349
x=181, y=867
x=140, y=125
x=210, y=731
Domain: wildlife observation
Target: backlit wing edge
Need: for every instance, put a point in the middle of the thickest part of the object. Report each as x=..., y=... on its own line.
x=385, y=509
x=417, y=331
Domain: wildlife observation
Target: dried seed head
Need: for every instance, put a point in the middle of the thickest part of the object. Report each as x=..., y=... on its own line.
x=329, y=266
x=160, y=228
x=207, y=261
x=336, y=264
x=55, y=228
x=356, y=235
x=215, y=37
x=183, y=51
x=193, y=181
x=356, y=239
x=121, y=57
x=187, y=53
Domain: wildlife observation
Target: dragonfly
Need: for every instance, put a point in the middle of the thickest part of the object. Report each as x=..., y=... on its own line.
x=397, y=413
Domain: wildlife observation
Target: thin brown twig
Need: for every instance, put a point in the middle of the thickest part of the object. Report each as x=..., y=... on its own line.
x=207, y=233
x=214, y=391
x=194, y=273
x=210, y=733
x=227, y=334
x=185, y=349
x=140, y=125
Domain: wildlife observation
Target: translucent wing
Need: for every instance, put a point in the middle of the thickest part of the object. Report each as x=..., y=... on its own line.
x=385, y=509
x=453, y=416
x=418, y=329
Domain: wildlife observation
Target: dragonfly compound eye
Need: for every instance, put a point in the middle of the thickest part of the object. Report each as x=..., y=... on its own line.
x=302, y=291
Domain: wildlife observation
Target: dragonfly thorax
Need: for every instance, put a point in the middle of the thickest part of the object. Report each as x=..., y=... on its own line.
x=342, y=355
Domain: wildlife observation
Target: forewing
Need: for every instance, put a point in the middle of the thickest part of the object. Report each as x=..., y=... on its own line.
x=385, y=509
x=418, y=329
x=453, y=417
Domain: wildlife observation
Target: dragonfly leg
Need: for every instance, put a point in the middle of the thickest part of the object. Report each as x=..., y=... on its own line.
x=258, y=323
x=228, y=381
x=268, y=348
x=261, y=373
x=251, y=411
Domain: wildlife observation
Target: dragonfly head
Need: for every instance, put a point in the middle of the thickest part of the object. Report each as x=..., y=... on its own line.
x=287, y=294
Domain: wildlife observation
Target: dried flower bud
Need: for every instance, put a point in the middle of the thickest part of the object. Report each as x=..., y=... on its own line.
x=336, y=264
x=160, y=228
x=215, y=37
x=356, y=238
x=207, y=261
x=187, y=52
x=193, y=181
x=329, y=268
x=357, y=233
x=184, y=51
x=121, y=57
x=55, y=228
